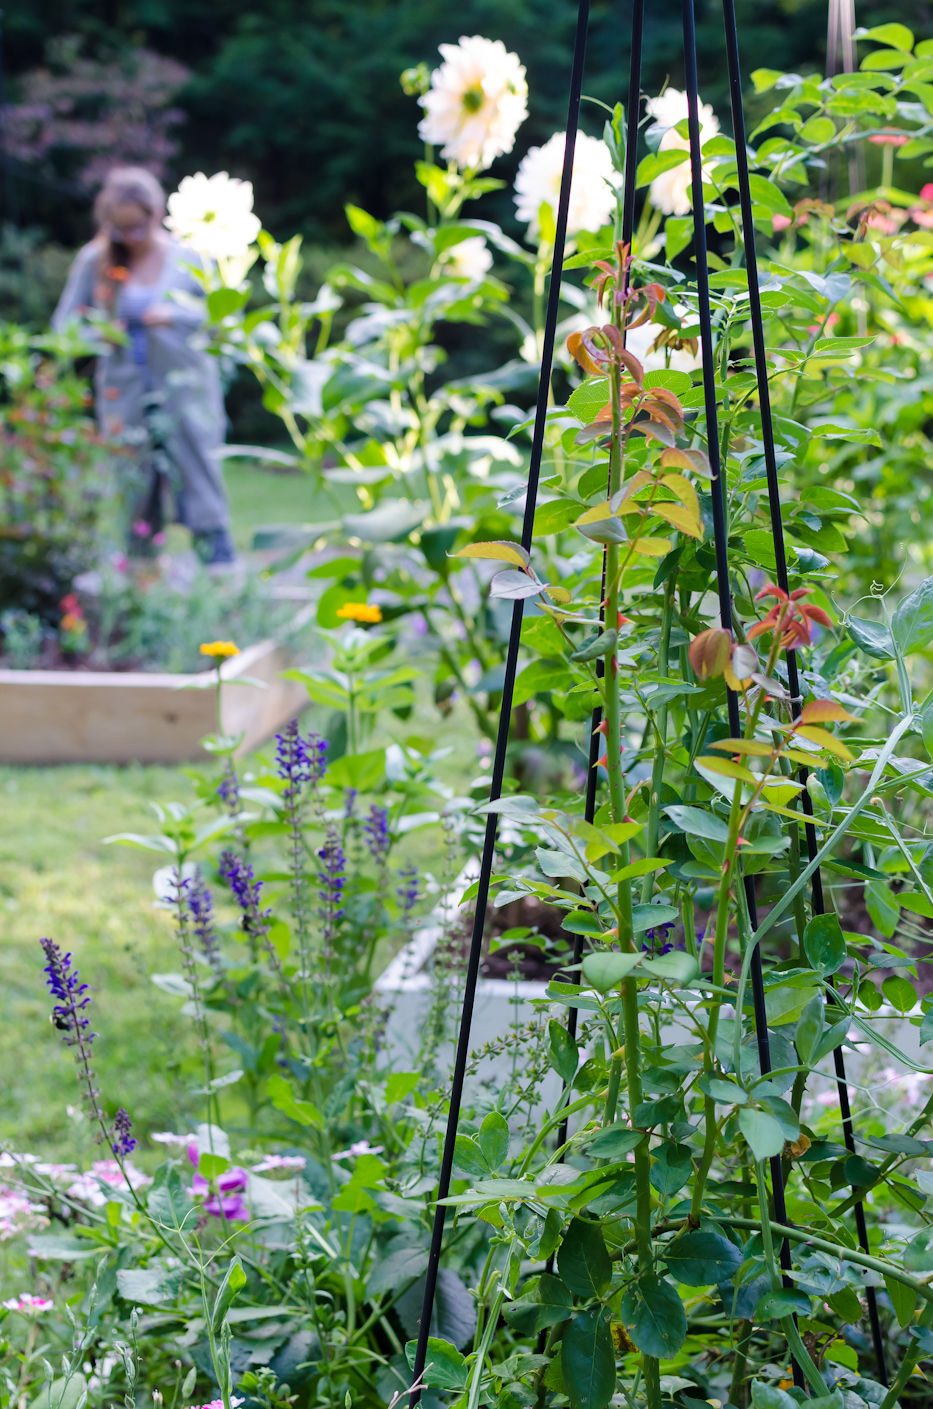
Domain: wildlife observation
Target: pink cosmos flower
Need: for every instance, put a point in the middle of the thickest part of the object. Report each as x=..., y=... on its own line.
x=278, y=1162
x=59, y=1172
x=29, y=1305
x=141, y=528
x=87, y=1186
x=362, y=1147
x=17, y=1214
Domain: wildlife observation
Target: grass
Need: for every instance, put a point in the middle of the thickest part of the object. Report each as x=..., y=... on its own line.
x=58, y=879
x=261, y=497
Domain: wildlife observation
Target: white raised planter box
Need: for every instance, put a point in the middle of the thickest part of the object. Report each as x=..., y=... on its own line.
x=405, y=988
x=63, y=716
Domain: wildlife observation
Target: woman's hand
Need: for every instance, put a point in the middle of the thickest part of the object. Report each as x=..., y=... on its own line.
x=160, y=315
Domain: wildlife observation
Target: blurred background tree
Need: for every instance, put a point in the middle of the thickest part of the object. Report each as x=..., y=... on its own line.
x=303, y=97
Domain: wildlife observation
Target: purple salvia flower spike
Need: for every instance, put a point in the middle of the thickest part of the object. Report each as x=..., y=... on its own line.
x=121, y=1141
x=407, y=891
x=376, y=833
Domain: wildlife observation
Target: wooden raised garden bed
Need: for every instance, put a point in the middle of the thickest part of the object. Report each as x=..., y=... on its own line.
x=64, y=716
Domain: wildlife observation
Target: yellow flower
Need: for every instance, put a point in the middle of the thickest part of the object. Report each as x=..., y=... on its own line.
x=359, y=611
x=219, y=650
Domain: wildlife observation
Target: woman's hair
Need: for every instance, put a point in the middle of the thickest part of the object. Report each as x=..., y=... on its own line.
x=125, y=185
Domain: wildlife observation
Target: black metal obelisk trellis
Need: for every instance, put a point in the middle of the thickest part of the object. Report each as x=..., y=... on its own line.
x=498, y=770
x=777, y=528
x=720, y=536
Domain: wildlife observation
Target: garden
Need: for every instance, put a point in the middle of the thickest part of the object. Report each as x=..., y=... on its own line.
x=501, y=982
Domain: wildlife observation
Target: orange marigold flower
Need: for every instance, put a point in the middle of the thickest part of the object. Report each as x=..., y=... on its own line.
x=359, y=611
x=119, y=273
x=219, y=650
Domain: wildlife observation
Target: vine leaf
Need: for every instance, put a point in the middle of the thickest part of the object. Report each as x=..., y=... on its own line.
x=446, y=1367
x=824, y=944
x=903, y=1299
x=494, y=1139
x=912, y=622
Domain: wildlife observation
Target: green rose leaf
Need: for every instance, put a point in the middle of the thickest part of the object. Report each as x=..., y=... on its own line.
x=550, y=1304
x=583, y=1261
x=671, y=1169
x=588, y=1360
x=655, y=1318
x=702, y=1257
x=763, y=1133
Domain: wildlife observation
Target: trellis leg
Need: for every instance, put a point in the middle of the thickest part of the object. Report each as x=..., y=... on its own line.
x=498, y=771
x=780, y=555
x=720, y=534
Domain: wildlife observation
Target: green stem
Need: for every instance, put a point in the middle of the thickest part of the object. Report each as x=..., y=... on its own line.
x=557, y=1119
x=909, y=1362
x=742, y=1342
x=660, y=741
x=788, y=1325
x=624, y=895
x=719, y=969
x=477, y=1375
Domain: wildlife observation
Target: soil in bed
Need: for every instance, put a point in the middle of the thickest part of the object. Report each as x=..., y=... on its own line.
x=534, y=964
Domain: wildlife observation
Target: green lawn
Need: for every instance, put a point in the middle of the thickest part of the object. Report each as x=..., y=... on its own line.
x=260, y=497
x=57, y=879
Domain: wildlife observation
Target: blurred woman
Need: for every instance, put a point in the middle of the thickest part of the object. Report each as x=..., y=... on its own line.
x=158, y=386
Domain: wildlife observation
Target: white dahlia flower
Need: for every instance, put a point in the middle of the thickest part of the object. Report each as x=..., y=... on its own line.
x=670, y=192
x=213, y=215
x=592, y=200
x=470, y=259
x=477, y=101
x=638, y=341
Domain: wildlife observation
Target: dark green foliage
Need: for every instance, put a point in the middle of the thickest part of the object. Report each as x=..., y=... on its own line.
x=304, y=99
x=583, y=1261
x=588, y=1361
